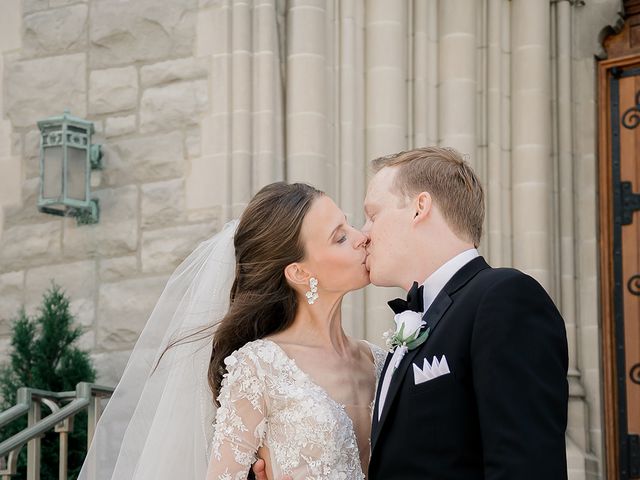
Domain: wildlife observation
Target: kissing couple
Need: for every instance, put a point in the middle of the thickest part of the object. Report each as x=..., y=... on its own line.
x=244, y=367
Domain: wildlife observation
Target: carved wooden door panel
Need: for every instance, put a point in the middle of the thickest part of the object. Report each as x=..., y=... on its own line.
x=620, y=262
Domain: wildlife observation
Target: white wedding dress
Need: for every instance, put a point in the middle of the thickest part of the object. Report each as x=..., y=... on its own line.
x=158, y=423
x=269, y=404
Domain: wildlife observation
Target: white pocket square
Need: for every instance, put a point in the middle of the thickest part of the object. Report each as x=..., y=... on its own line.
x=429, y=371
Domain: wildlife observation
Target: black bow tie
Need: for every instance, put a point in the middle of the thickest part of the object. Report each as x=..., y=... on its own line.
x=413, y=302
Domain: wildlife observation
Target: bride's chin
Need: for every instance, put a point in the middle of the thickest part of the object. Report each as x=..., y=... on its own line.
x=366, y=281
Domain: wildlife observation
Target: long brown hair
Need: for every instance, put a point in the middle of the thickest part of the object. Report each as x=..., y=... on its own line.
x=266, y=241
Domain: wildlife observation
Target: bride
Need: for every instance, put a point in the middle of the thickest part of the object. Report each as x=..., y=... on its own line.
x=256, y=312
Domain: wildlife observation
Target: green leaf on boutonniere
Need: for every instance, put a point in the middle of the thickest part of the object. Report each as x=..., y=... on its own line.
x=420, y=340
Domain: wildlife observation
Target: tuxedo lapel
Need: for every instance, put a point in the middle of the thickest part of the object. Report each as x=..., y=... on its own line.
x=432, y=316
x=436, y=311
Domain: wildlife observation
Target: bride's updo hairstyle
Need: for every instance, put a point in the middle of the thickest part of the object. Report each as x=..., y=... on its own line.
x=266, y=241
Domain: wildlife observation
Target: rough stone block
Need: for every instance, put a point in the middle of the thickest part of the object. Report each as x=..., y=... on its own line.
x=126, y=32
x=84, y=311
x=212, y=216
x=113, y=90
x=10, y=25
x=5, y=349
x=5, y=136
x=26, y=211
x=115, y=234
x=110, y=366
x=163, y=250
x=123, y=310
x=11, y=299
x=38, y=88
x=77, y=280
x=173, y=106
x=59, y=30
x=116, y=126
x=119, y=268
x=30, y=6
x=10, y=180
x=16, y=143
x=31, y=167
x=144, y=159
x=31, y=144
x=24, y=246
x=163, y=203
x=62, y=3
x=87, y=341
x=170, y=71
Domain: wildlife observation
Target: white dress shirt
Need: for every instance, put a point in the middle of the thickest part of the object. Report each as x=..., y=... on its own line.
x=431, y=288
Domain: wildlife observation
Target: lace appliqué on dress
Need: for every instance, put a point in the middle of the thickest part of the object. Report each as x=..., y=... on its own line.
x=240, y=424
x=267, y=400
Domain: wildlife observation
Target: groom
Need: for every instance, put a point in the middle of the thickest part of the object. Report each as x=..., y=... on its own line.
x=485, y=396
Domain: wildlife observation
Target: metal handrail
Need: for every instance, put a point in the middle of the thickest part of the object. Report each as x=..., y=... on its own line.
x=23, y=399
x=29, y=400
x=14, y=412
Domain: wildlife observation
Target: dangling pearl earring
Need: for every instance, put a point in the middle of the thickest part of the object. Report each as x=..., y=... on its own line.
x=312, y=295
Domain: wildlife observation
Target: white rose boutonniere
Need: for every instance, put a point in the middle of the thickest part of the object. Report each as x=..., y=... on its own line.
x=407, y=332
x=407, y=335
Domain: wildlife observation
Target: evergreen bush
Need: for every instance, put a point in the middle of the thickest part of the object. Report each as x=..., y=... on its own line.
x=44, y=355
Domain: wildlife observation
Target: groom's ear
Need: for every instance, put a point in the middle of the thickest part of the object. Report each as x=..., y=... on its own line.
x=296, y=274
x=422, y=204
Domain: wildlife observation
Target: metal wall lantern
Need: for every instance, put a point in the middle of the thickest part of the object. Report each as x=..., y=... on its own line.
x=67, y=157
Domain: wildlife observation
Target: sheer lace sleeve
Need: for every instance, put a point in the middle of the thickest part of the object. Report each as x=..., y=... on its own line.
x=240, y=424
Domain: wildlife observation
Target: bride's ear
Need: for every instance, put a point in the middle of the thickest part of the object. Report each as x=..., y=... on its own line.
x=422, y=204
x=296, y=275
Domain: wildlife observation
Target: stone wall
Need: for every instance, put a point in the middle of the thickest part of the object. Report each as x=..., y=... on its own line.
x=130, y=67
x=10, y=162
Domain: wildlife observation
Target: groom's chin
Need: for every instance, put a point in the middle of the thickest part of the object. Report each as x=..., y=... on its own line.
x=377, y=280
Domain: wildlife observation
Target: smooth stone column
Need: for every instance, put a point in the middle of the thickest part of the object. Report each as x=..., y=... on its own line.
x=386, y=116
x=531, y=137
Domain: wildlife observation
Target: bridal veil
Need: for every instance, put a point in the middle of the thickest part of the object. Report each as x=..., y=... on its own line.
x=158, y=423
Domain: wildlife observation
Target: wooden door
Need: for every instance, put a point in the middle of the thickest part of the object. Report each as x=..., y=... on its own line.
x=619, y=128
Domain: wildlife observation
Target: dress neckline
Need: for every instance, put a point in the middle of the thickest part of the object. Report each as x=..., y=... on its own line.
x=321, y=390
x=312, y=382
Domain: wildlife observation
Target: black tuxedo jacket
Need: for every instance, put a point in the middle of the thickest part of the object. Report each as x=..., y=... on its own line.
x=501, y=413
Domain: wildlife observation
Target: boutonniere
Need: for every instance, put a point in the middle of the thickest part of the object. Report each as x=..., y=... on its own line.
x=407, y=335
x=408, y=332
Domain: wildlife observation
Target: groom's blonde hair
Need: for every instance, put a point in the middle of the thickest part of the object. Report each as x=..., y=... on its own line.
x=448, y=178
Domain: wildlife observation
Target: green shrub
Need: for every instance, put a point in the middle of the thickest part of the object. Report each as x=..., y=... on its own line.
x=44, y=356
